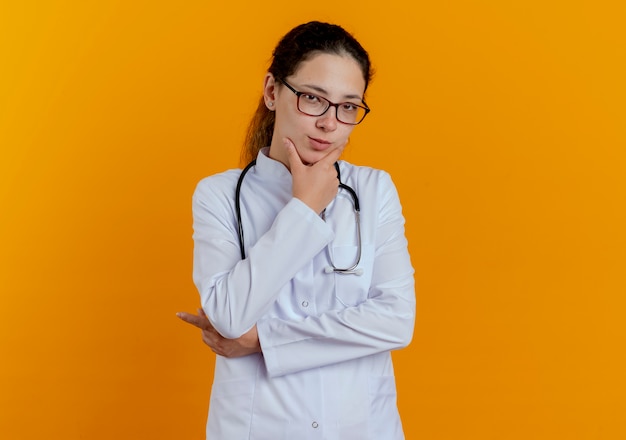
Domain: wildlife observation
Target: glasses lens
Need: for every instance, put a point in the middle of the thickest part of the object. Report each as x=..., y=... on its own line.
x=312, y=105
x=350, y=113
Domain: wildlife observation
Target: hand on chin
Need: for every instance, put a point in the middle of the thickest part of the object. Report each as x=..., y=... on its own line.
x=312, y=156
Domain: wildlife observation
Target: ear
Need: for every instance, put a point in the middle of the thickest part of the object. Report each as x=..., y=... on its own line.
x=269, y=91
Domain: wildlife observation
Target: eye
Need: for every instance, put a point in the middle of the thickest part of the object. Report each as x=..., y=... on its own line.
x=312, y=99
x=349, y=107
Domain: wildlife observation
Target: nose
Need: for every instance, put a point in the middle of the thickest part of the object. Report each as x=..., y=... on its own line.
x=328, y=121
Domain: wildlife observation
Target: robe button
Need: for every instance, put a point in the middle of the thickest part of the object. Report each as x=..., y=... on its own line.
x=305, y=304
x=314, y=425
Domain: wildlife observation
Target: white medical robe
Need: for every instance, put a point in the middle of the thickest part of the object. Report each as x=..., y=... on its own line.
x=325, y=371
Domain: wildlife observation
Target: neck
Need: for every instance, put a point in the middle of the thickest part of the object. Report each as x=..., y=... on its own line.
x=278, y=153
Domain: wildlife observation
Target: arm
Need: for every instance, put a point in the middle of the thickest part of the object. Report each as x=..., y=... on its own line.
x=381, y=323
x=236, y=293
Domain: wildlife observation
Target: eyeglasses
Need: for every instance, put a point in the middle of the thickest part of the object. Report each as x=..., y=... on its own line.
x=314, y=105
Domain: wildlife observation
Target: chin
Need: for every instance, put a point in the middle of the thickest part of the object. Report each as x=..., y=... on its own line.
x=312, y=157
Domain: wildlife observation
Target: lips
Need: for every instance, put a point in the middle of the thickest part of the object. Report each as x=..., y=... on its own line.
x=319, y=144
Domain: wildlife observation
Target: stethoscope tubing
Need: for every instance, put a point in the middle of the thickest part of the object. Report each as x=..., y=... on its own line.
x=357, y=213
x=238, y=207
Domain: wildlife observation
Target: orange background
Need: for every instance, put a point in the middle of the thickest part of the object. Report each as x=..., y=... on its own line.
x=502, y=123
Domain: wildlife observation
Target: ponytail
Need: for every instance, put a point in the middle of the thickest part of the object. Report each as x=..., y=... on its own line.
x=259, y=134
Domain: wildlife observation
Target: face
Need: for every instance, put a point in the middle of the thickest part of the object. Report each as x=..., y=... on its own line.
x=337, y=78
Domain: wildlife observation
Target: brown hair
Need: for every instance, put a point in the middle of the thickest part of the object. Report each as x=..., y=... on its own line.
x=297, y=46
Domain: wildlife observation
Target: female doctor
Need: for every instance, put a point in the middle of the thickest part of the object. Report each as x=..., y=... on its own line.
x=301, y=261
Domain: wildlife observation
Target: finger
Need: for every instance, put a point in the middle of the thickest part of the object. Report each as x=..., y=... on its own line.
x=186, y=316
x=213, y=343
x=209, y=344
x=207, y=339
x=207, y=323
x=197, y=321
x=190, y=319
x=292, y=154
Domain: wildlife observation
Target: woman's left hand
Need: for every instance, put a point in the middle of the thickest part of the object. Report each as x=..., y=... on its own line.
x=244, y=345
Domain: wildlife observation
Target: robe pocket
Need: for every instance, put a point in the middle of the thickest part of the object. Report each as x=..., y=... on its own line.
x=230, y=408
x=352, y=289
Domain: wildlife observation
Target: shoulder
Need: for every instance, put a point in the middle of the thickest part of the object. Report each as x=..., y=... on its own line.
x=217, y=188
x=375, y=189
x=364, y=176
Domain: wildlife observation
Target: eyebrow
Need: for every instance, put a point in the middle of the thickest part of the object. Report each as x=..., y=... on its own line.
x=325, y=92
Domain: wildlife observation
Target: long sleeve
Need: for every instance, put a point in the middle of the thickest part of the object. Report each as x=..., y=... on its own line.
x=383, y=321
x=236, y=293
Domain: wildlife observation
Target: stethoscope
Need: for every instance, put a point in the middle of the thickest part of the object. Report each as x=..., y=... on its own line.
x=329, y=269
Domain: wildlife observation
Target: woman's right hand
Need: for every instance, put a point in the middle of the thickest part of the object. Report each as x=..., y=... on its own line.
x=317, y=184
x=246, y=344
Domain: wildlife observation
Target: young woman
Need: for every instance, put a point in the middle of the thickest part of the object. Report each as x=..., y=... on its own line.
x=301, y=261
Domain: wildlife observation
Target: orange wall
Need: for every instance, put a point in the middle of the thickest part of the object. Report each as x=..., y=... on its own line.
x=502, y=123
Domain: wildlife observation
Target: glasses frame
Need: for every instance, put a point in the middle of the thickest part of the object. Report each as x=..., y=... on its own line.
x=330, y=104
